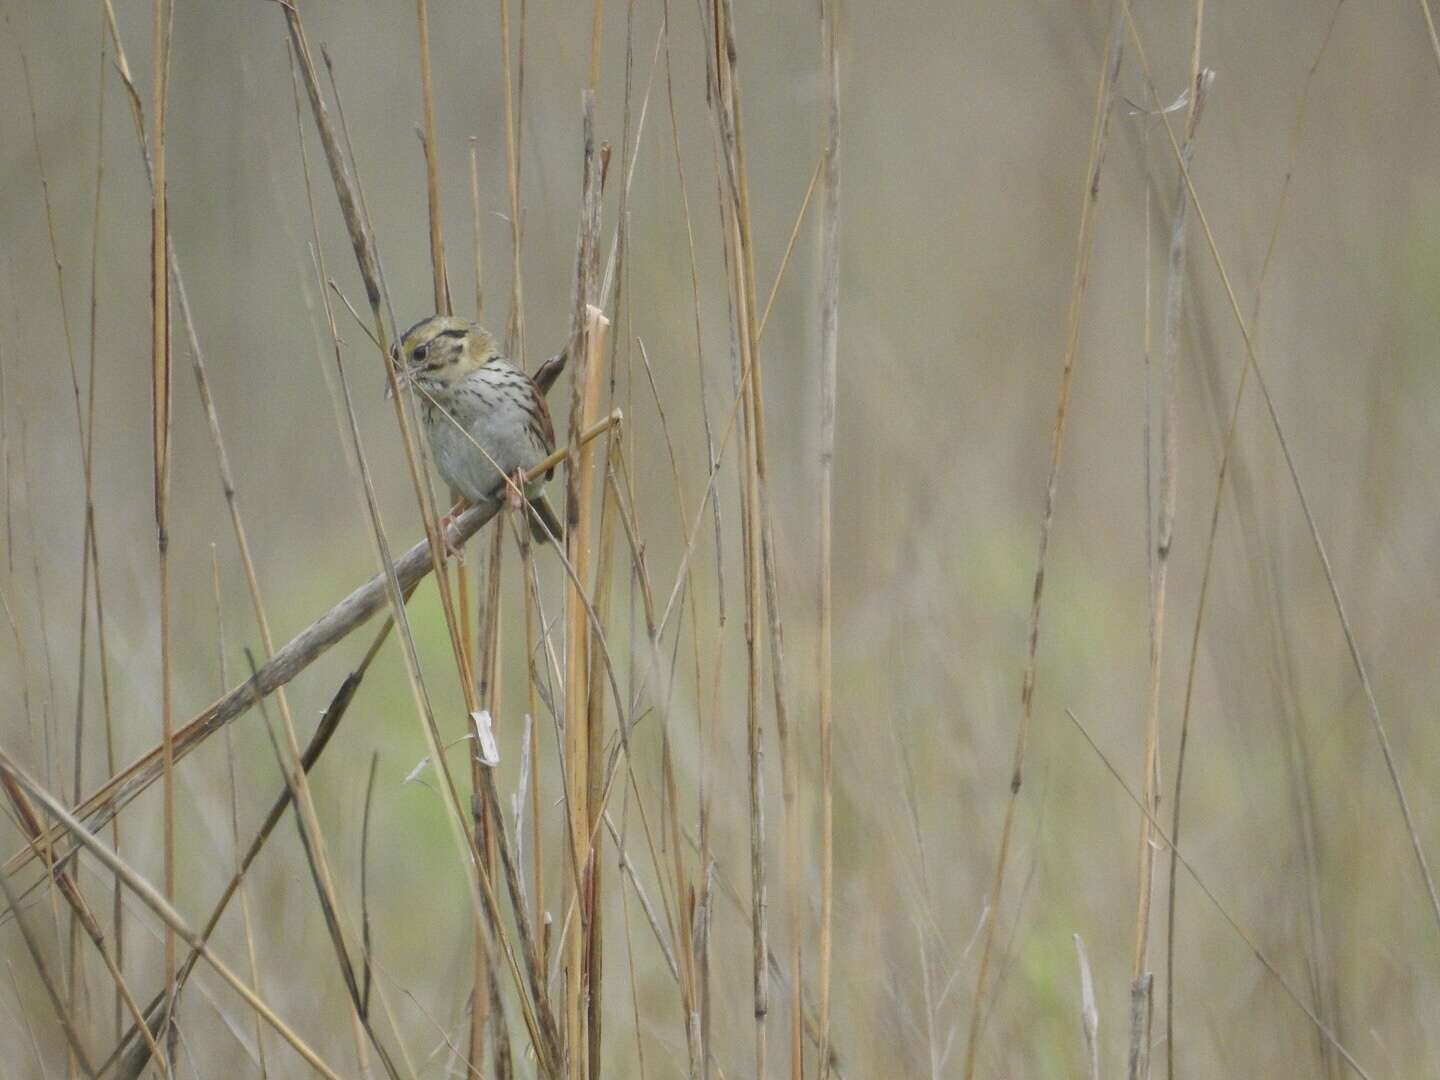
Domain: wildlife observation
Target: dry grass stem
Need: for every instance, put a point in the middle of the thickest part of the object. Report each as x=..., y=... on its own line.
x=81, y=913
x=620, y=768
x=157, y=903
x=161, y=386
x=824, y=601
x=1162, y=537
x=1351, y=643
x=432, y=163
x=1227, y=450
x=1104, y=93
x=1158, y=831
x=62, y=1011
x=319, y=740
x=588, y=379
x=1089, y=1012
x=287, y=662
x=246, y=921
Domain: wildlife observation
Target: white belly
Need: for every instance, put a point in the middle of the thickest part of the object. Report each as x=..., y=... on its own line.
x=480, y=443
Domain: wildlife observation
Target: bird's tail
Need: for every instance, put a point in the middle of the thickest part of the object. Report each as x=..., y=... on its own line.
x=543, y=523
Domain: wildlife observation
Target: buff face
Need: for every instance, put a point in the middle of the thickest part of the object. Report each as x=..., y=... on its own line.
x=440, y=351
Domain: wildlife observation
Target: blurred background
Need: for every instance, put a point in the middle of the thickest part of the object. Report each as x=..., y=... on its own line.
x=965, y=135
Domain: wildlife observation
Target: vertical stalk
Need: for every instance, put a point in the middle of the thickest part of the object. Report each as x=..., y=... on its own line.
x=595, y=721
x=432, y=165
x=488, y=671
x=245, y=920
x=829, y=335
x=160, y=396
x=515, y=335
x=758, y=533
x=475, y=218
x=537, y=899
x=1165, y=526
x=589, y=377
x=1227, y=445
x=1085, y=245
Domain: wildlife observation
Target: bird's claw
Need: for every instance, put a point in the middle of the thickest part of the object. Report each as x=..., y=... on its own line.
x=455, y=551
x=515, y=491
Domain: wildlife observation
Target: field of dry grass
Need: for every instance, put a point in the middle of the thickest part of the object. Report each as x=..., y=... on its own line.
x=996, y=620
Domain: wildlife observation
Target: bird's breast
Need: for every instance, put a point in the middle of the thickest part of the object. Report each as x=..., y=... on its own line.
x=476, y=433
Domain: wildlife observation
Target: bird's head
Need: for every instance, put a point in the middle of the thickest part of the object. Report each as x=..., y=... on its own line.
x=439, y=351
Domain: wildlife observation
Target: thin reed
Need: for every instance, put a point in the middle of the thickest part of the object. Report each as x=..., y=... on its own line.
x=729, y=777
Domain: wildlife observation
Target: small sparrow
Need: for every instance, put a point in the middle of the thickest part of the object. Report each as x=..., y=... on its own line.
x=485, y=418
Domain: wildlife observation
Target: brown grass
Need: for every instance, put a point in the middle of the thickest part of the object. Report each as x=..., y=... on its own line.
x=767, y=646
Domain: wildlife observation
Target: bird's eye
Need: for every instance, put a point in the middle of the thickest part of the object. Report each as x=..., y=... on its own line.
x=420, y=351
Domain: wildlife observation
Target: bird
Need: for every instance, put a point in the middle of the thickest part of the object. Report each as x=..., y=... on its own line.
x=486, y=420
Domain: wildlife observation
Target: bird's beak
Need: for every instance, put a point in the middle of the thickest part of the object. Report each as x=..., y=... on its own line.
x=402, y=373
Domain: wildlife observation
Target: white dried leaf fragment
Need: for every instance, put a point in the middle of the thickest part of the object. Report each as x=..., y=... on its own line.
x=486, y=748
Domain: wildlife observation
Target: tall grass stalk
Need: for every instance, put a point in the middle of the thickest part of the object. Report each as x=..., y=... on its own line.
x=160, y=409
x=1163, y=536
x=1226, y=453
x=1352, y=644
x=1085, y=246
x=824, y=602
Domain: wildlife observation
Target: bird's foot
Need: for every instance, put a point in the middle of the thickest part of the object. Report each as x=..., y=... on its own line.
x=455, y=551
x=515, y=490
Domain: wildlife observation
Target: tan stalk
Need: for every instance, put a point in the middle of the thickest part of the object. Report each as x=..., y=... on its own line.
x=90, y=531
x=31, y=826
x=1430, y=29
x=616, y=755
x=535, y=1006
x=432, y=164
x=636, y=1026
x=1104, y=91
x=681, y=924
x=485, y=982
x=829, y=349
x=77, y=1058
x=595, y=711
x=1352, y=644
x=537, y=833
x=482, y=976
x=760, y=563
x=1164, y=533
x=699, y=1005
x=324, y=731
x=1240, y=931
x=306, y=806
x=294, y=760
x=597, y=23
x=84, y=429
x=160, y=396
x=1205, y=575
x=67, y=823
x=482, y=894
x=44, y=848
x=681, y=577
x=475, y=218
x=291, y=659
x=484, y=900
x=229, y=489
x=812, y=1029
x=245, y=920
x=489, y=697
x=5, y=489
x=516, y=331
x=589, y=377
